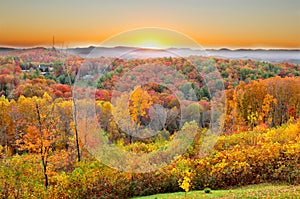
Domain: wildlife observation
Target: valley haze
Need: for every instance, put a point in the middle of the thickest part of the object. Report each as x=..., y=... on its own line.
x=269, y=55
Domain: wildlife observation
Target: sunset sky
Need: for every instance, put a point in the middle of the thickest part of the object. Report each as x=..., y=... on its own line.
x=212, y=23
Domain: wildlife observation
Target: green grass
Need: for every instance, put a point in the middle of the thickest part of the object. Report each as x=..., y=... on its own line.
x=252, y=191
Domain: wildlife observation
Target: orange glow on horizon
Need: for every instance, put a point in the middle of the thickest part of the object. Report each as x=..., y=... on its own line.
x=215, y=23
x=146, y=41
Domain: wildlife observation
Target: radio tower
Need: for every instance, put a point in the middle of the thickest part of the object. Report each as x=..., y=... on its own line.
x=53, y=43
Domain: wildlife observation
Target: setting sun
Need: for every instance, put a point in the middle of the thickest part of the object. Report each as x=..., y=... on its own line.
x=155, y=38
x=152, y=43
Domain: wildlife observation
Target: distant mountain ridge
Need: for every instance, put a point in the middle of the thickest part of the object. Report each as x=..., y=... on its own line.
x=270, y=55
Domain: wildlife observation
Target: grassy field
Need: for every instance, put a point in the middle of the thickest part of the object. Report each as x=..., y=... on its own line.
x=253, y=191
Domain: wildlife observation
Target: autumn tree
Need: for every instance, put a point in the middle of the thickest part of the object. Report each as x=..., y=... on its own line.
x=121, y=115
x=64, y=125
x=140, y=102
x=39, y=135
x=7, y=136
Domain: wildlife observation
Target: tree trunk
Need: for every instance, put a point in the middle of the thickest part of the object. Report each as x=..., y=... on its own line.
x=75, y=116
x=43, y=151
x=44, y=162
x=76, y=131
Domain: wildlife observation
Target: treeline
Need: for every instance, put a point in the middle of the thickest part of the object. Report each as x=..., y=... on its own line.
x=270, y=102
x=65, y=67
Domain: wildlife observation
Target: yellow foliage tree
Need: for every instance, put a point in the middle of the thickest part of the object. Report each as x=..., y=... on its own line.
x=39, y=135
x=140, y=101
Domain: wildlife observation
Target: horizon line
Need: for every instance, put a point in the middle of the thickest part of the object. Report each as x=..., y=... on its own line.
x=119, y=46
